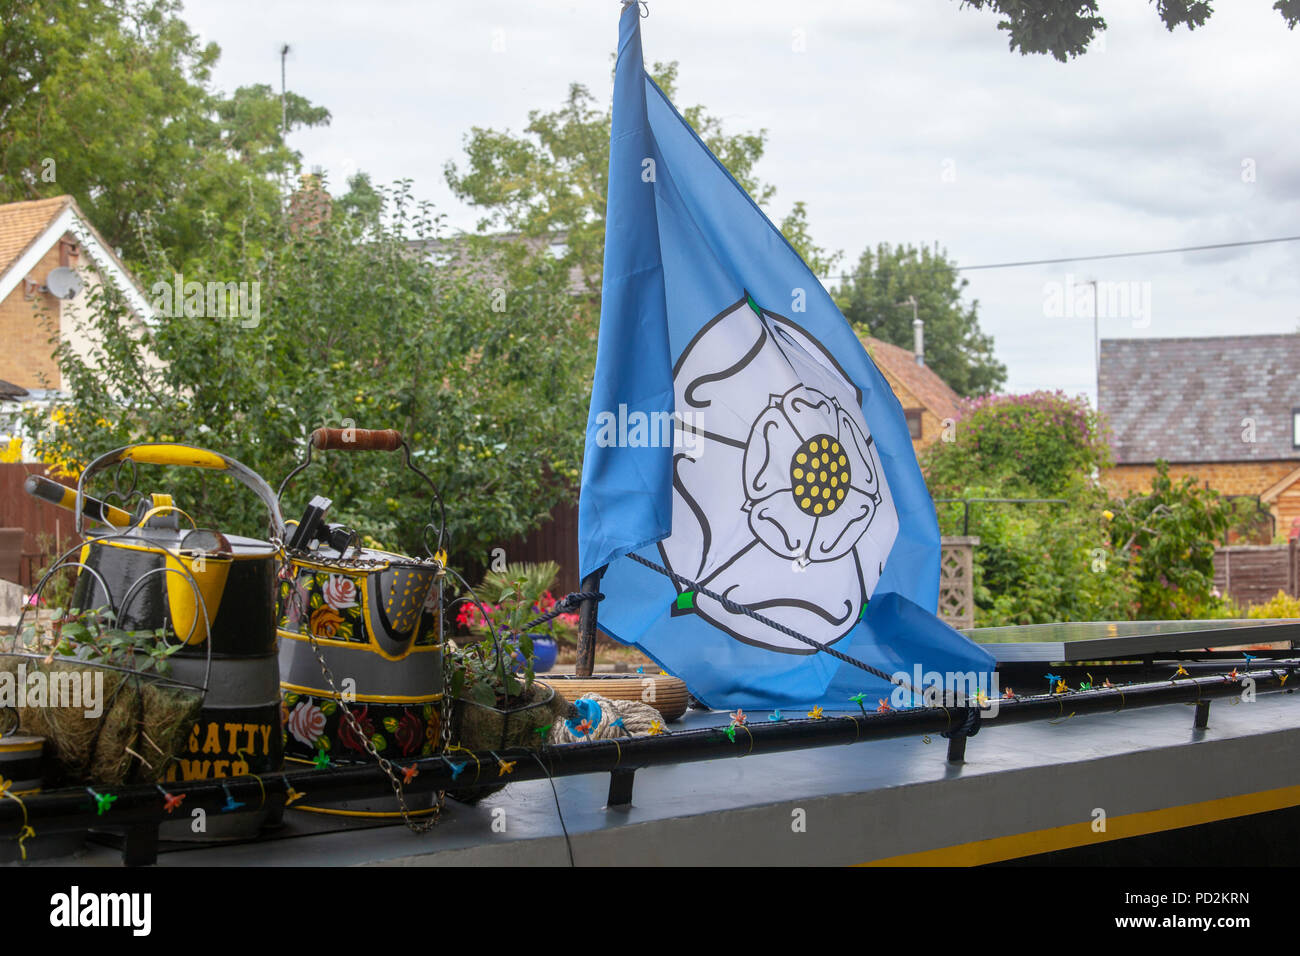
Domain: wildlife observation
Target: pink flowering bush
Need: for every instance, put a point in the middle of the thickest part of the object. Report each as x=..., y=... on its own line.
x=1032, y=445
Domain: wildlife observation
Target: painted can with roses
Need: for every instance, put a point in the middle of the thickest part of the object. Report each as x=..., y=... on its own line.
x=383, y=649
x=373, y=619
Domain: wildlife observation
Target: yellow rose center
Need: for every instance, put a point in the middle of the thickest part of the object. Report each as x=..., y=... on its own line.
x=819, y=475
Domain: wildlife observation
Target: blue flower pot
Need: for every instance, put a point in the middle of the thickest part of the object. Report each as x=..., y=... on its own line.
x=545, y=650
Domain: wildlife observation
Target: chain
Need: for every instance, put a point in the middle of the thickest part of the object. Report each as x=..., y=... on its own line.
x=363, y=563
x=386, y=765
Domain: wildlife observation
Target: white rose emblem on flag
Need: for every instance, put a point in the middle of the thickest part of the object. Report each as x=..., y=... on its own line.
x=779, y=500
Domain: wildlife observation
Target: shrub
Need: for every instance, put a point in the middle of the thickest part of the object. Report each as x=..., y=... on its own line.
x=1280, y=605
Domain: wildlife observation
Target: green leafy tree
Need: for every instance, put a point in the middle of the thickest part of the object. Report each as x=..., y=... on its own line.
x=472, y=361
x=551, y=180
x=1043, y=563
x=873, y=298
x=1065, y=28
x=109, y=100
x=1037, y=562
x=1170, y=536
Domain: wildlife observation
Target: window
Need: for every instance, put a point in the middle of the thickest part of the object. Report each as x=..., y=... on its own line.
x=914, y=422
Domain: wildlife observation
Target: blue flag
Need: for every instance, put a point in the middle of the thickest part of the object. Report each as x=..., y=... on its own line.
x=740, y=437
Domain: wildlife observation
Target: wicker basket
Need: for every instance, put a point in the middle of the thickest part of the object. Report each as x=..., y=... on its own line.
x=668, y=695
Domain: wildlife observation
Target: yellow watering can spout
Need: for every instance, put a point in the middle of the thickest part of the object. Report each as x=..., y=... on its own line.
x=209, y=572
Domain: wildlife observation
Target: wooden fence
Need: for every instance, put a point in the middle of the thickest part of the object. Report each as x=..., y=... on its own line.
x=1251, y=574
x=43, y=524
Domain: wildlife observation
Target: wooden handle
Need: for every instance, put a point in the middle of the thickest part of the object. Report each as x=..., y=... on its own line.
x=356, y=439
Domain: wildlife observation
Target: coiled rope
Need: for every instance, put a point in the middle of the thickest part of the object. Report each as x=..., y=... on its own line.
x=609, y=718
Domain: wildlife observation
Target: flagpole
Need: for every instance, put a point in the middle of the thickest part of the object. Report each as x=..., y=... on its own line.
x=587, y=626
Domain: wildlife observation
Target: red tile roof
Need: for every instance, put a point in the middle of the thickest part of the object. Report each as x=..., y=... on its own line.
x=922, y=381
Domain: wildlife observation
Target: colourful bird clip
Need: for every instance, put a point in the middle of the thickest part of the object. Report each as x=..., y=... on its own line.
x=858, y=699
x=103, y=801
x=884, y=707
x=730, y=731
x=1008, y=694
x=1181, y=672
x=505, y=766
x=172, y=800
x=543, y=731
x=457, y=767
x=775, y=716
x=1107, y=683
x=816, y=713
x=321, y=760
x=291, y=795
x=1060, y=685
x=739, y=717
x=655, y=729
x=410, y=773
x=5, y=784
x=1052, y=679
x=231, y=804
x=1234, y=675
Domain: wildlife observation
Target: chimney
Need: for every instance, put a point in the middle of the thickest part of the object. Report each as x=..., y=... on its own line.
x=918, y=340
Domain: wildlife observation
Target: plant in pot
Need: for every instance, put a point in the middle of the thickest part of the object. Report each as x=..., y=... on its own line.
x=497, y=704
x=510, y=598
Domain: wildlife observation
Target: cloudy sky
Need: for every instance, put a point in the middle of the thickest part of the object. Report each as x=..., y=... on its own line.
x=895, y=120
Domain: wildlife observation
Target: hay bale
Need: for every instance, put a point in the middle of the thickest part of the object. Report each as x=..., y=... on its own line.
x=98, y=750
x=169, y=715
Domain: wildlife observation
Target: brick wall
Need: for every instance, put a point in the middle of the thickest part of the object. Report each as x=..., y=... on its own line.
x=1227, y=478
x=931, y=424
x=28, y=352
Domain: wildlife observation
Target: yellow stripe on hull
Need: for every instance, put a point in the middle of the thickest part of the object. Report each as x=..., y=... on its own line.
x=1070, y=836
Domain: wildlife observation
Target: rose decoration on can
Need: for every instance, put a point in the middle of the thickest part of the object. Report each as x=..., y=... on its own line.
x=409, y=733
x=780, y=502
x=295, y=598
x=340, y=592
x=325, y=621
x=347, y=734
x=306, y=723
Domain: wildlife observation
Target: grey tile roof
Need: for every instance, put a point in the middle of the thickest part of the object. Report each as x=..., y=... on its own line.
x=1185, y=400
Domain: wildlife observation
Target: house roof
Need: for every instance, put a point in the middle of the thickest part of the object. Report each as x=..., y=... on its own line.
x=29, y=229
x=921, y=380
x=21, y=224
x=1196, y=399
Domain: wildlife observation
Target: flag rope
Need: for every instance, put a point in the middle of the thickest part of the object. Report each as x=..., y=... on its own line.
x=735, y=608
